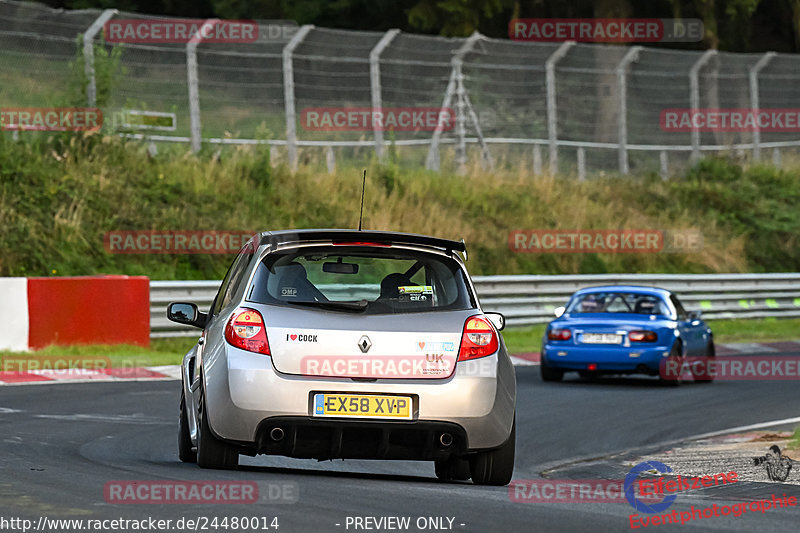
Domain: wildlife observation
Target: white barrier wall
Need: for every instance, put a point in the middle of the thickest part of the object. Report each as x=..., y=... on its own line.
x=14, y=324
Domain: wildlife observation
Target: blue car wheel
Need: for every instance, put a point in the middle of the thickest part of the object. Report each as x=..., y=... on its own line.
x=549, y=373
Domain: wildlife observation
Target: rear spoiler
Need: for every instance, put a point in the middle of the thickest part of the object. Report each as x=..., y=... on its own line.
x=341, y=235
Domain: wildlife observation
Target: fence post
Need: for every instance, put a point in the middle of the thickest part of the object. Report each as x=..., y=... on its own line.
x=552, y=117
x=754, y=99
x=776, y=157
x=330, y=159
x=432, y=161
x=581, y=163
x=537, y=160
x=461, y=130
x=193, y=82
x=88, y=54
x=694, y=97
x=663, y=159
x=375, y=85
x=486, y=157
x=288, y=93
x=622, y=118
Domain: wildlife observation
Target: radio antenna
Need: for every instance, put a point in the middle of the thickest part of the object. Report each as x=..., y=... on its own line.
x=363, y=185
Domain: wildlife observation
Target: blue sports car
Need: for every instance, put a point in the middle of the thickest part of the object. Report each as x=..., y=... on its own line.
x=620, y=329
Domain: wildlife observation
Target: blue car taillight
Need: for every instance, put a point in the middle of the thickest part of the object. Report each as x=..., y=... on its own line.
x=642, y=336
x=559, y=334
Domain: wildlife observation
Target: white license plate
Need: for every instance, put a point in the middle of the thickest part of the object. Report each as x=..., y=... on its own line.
x=601, y=338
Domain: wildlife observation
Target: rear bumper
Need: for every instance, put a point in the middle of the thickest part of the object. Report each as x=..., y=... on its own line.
x=307, y=438
x=610, y=359
x=246, y=397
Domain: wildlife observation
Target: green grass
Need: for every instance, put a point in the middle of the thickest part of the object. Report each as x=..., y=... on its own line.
x=794, y=444
x=755, y=330
x=525, y=339
x=161, y=352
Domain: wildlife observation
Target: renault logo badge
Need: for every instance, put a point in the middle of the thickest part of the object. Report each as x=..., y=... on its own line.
x=364, y=344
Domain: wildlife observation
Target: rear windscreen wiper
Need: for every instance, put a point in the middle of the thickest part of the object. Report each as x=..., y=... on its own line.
x=354, y=306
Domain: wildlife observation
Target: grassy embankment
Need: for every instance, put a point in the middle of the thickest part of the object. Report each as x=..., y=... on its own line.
x=60, y=194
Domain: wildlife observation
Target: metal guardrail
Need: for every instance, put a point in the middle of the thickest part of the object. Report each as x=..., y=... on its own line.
x=528, y=300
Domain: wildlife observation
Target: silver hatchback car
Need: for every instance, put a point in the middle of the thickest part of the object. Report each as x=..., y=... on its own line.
x=345, y=344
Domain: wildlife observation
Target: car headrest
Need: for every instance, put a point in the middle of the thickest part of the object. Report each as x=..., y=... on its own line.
x=291, y=272
x=591, y=303
x=645, y=305
x=390, y=284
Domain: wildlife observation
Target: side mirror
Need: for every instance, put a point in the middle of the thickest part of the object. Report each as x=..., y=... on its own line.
x=558, y=311
x=497, y=319
x=695, y=315
x=186, y=313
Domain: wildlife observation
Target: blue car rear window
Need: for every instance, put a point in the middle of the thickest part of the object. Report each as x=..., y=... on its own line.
x=618, y=302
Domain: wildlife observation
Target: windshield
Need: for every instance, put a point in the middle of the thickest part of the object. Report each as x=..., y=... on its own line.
x=618, y=302
x=360, y=279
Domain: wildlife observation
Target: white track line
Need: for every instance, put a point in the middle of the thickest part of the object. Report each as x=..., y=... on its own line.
x=737, y=429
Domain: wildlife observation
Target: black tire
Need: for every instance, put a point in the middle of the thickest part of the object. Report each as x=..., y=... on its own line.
x=452, y=469
x=186, y=451
x=495, y=467
x=707, y=376
x=212, y=452
x=675, y=354
x=549, y=373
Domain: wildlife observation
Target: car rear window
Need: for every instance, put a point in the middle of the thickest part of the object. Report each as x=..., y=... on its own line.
x=383, y=280
x=618, y=302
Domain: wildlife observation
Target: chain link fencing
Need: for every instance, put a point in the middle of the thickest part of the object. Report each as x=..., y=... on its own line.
x=564, y=107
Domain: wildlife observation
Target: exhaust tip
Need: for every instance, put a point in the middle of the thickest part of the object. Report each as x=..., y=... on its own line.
x=446, y=439
x=276, y=434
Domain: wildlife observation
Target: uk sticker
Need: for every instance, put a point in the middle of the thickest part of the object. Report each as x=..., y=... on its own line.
x=436, y=346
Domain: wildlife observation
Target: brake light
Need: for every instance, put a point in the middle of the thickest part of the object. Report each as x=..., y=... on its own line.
x=642, y=336
x=362, y=243
x=246, y=330
x=559, y=335
x=479, y=339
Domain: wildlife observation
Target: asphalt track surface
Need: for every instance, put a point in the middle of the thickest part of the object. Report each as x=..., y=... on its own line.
x=60, y=444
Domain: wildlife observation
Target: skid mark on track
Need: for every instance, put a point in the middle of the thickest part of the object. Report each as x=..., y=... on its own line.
x=124, y=419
